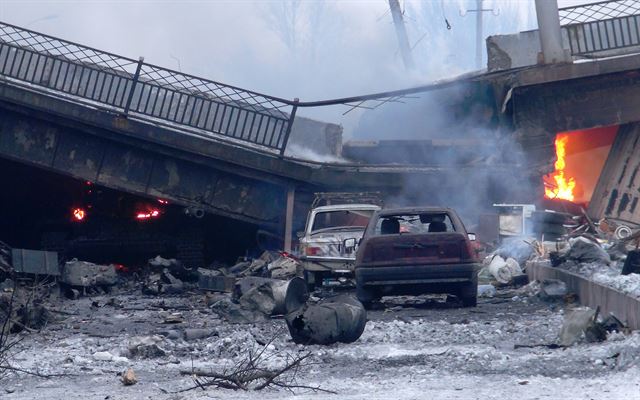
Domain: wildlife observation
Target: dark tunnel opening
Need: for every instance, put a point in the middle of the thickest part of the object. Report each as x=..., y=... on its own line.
x=44, y=210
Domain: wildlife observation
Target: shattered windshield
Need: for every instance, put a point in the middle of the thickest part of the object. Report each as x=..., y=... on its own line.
x=414, y=223
x=341, y=219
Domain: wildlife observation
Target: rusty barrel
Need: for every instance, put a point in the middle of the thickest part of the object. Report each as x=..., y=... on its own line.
x=337, y=319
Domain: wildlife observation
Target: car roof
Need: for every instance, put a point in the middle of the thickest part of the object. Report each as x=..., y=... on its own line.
x=415, y=210
x=339, y=207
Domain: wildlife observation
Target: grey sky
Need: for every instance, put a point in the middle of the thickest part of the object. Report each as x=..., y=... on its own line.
x=330, y=49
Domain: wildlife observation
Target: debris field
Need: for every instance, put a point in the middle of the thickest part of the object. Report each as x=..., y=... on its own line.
x=411, y=348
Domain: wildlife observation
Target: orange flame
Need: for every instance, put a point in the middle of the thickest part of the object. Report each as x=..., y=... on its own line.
x=147, y=215
x=78, y=214
x=558, y=185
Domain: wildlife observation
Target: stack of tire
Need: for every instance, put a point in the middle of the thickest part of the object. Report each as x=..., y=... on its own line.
x=548, y=225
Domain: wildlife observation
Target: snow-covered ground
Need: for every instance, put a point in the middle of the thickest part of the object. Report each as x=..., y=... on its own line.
x=408, y=351
x=608, y=275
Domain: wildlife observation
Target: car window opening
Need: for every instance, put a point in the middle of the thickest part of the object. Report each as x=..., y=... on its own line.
x=414, y=224
x=341, y=219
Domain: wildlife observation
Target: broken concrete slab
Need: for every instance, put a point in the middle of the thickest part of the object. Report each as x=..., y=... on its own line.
x=576, y=322
x=552, y=289
x=338, y=319
x=146, y=347
x=175, y=267
x=234, y=313
x=214, y=280
x=86, y=274
x=169, y=284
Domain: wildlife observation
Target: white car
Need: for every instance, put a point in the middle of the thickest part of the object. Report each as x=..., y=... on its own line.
x=330, y=240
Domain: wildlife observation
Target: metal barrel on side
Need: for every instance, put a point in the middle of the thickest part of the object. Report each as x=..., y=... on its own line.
x=337, y=319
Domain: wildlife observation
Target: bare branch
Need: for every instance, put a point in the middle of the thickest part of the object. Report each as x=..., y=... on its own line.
x=250, y=373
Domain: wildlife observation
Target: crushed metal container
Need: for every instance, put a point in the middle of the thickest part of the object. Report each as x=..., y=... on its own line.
x=337, y=319
x=35, y=262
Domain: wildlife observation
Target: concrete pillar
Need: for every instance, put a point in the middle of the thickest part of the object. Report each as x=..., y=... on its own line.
x=288, y=222
x=549, y=28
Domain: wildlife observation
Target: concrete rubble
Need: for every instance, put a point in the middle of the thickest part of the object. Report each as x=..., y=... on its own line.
x=85, y=274
x=161, y=320
x=129, y=377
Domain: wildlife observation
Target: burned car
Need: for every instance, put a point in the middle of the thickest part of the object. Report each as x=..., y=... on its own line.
x=412, y=251
x=329, y=242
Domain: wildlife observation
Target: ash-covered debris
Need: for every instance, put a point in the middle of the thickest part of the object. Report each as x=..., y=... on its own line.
x=506, y=265
x=338, y=319
x=601, y=260
x=271, y=264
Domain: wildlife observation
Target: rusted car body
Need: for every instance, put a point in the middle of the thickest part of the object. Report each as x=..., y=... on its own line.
x=412, y=251
x=329, y=243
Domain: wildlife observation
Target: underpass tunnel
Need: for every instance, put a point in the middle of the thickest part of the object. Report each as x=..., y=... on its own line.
x=44, y=210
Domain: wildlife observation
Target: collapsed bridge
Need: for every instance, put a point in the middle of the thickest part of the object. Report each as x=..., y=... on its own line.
x=138, y=128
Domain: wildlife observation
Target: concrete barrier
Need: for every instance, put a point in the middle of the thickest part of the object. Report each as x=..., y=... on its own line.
x=592, y=294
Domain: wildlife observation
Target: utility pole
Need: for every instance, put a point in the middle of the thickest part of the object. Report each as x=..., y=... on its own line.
x=401, y=32
x=479, y=36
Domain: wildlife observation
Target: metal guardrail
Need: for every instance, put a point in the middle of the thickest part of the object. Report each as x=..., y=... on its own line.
x=147, y=91
x=603, y=26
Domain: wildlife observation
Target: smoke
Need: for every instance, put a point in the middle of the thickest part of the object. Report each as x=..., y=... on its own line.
x=311, y=50
x=479, y=162
x=304, y=153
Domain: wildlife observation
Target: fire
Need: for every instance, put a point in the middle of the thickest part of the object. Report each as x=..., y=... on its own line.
x=148, y=215
x=558, y=185
x=78, y=214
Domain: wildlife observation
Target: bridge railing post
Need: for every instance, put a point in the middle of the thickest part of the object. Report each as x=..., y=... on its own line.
x=287, y=133
x=136, y=76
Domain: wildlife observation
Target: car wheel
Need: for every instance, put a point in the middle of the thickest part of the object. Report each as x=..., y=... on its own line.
x=470, y=301
x=468, y=294
x=366, y=296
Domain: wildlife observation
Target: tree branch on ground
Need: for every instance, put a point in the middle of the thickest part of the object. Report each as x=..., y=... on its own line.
x=252, y=373
x=6, y=345
x=20, y=311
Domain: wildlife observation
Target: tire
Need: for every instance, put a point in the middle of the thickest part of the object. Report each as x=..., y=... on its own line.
x=468, y=294
x=366, y=296
x=471, y=301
